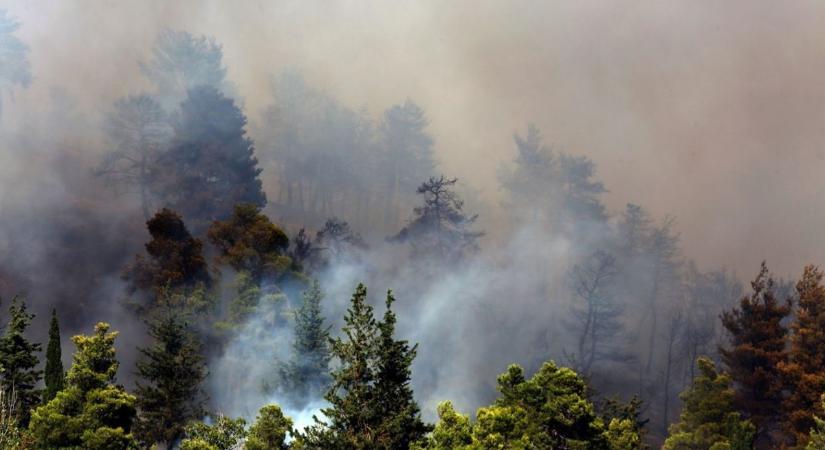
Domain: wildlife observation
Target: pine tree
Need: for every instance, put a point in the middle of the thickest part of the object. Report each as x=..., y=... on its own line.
x=373, y=367
x=91, y=412
x=210, y=166
x=18, y=360
x=757, y=349
x=270, y=430
x=55, y=376
x=175, y=265
x=441, y=229
x=172, y=371
x=402, y=425
x=307, y=374
x=709, y=419
x=805, y=370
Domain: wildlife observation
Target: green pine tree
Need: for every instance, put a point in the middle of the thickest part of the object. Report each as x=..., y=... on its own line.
x=91, y=412
x=224, y=434
x=709, y=419
x=307, y=374
x=55, y=376
x=18, y=359
x=402, y=425
x=270, y=430
x=172, y=369
x=372, y=405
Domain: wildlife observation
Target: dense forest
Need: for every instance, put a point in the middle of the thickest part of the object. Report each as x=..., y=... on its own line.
x=181, y=276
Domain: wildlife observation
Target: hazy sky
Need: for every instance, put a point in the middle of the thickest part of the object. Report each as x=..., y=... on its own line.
x=711, y=111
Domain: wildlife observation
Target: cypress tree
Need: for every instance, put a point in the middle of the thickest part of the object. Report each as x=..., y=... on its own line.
x=55, y=377
x=18, y=361
x=757, y=350
x=173, y=371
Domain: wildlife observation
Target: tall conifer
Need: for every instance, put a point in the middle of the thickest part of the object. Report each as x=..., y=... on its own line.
x=55, y=377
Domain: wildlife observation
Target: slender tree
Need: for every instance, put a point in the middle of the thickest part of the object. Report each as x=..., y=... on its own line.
x=169, y=394
x=307, y=374
x=139, y=131
x=757, y=350
x=596, y=313
x=55, y=376
x=18, y=361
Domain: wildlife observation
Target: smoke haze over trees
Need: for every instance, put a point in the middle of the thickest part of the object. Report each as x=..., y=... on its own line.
x=583, y=183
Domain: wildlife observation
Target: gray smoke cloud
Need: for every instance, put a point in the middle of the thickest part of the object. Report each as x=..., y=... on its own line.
x=709, y=111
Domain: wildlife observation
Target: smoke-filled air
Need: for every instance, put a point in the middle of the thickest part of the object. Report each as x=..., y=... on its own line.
x=412, y=225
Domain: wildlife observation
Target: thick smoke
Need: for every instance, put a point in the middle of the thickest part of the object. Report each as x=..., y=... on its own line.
x=711, y=112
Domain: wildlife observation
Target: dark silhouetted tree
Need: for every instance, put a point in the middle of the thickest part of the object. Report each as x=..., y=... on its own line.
x=756, y=351
x=596, y=313
x=175, y=267
x=138, y=131
x=440, y=228
x=172, y=371
x=55, y=377
x=210, y=166
x=18, y=361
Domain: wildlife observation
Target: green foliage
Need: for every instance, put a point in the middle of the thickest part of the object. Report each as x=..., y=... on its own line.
x=621, y=434
x=816, y=440
x=550, y=410
x=18, y=360
x=55, y=376
x=173, y=370
x=224, y=434
x=270, y=430
x=91, y=412
x=307, y=374
x=249, y=242
x=709, y=419
x=372, y=402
